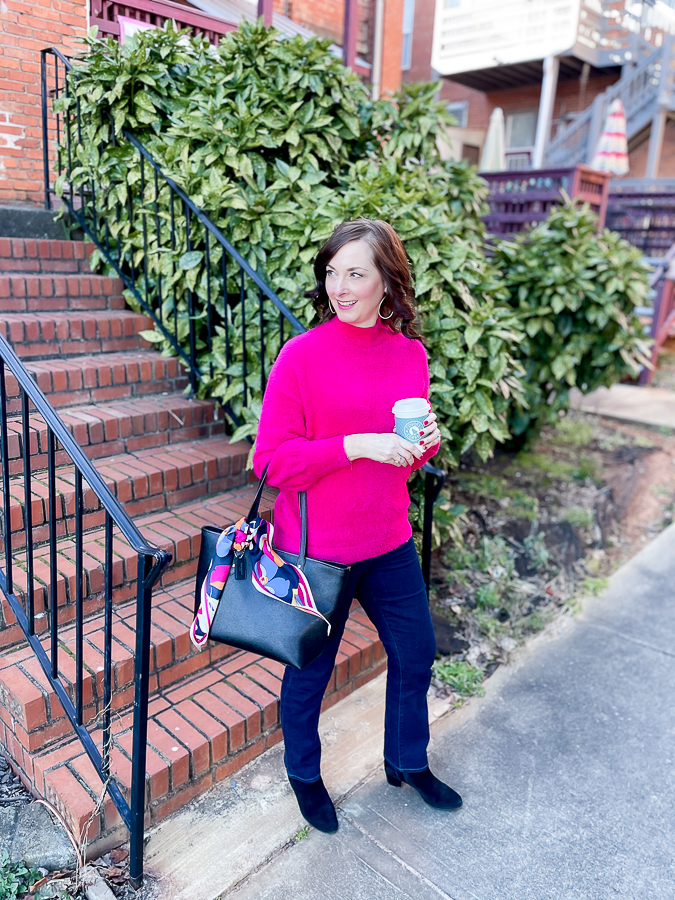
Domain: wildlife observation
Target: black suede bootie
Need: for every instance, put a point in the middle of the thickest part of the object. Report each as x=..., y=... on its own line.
x=315, y=804
x=430, y=788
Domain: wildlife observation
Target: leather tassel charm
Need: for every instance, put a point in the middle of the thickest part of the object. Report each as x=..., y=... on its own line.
x=240, y=567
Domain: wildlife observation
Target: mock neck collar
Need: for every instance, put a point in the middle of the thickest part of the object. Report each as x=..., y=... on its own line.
x=362, y=336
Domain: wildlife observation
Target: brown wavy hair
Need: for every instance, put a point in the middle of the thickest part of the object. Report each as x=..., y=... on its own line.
x=391, y=262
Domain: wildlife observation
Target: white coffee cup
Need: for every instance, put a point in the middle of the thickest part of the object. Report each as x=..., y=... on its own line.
x=410, y=415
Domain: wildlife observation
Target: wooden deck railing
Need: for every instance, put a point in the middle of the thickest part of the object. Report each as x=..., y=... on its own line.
x=104, y=14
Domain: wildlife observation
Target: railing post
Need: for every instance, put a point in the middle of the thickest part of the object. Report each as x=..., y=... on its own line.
x=140, y=732
x=594, y=129
x=45, y=141
x=434, y=479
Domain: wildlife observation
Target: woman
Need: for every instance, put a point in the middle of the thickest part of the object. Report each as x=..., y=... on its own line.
x=326, y=428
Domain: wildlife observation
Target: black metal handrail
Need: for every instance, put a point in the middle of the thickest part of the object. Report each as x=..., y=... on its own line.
x=151, y=563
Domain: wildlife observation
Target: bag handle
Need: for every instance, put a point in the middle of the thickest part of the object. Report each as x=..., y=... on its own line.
x=302, y=499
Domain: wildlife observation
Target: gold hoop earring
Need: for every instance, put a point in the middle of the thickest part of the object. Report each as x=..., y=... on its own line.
x=380, y=314
x=331, y=309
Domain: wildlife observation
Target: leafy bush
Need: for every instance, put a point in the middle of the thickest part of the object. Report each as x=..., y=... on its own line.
x=575, y=293
x=460, y=675
x=15, y=877
x=278, y=142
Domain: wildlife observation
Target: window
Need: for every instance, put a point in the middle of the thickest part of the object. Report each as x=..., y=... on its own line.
x=521, y=128
x=470, y=153
x=452, y=4
x=408, y=21
x=460, y=110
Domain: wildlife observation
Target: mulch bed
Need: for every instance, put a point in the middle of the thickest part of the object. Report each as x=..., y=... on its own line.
x=541, y=528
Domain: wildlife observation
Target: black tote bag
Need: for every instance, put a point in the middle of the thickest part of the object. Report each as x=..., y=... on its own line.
x=249, y=620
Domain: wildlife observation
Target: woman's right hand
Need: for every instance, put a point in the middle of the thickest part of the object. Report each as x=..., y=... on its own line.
x=384, y=448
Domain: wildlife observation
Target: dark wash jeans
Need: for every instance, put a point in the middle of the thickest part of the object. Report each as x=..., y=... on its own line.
x=391, y=590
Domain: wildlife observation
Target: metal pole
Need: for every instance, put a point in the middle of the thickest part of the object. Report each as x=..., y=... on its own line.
x=434, y=479
x=140, y=732
x=546, y=101
x=377, y=50
x=45, y=136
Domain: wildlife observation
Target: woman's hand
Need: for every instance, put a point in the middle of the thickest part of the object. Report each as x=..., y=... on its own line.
x=384, y=448
x=390, y=448
x=431, y=434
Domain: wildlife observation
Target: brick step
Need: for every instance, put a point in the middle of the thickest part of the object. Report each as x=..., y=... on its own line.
x=101, y=378
x=27, y=255
x=145, y=481
x=38, y=335
x=177, y=530
x=49, y=293
x=124, y=426
x=201, y=730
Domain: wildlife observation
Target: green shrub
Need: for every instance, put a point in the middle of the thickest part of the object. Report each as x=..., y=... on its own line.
x=278, y=142
x=15, y=877
x=575, y=293
x=461, y=676
x=579, y=516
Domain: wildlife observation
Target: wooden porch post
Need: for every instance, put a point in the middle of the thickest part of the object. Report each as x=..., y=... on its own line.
x=265, y=9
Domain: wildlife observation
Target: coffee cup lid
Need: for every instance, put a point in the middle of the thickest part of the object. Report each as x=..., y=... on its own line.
x=412, y=406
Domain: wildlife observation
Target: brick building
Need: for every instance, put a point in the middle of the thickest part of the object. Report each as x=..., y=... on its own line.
x=28, y=27
x=489, y=54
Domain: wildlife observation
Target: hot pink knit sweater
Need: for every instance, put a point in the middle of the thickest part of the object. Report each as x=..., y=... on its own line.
x=334, y=380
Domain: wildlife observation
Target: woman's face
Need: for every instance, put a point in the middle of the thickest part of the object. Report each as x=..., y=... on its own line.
x=354, y=285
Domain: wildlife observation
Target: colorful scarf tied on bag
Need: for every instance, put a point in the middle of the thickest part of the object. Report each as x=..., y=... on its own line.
x=270, y=575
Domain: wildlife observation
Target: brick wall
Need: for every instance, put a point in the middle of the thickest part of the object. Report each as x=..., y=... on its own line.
x=569, y=99
x=392, y=46
x=26, y=26
x=637, y=158
x=326, y=17
x=423, y=35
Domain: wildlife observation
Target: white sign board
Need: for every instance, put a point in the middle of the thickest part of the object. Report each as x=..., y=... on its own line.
x=481, y=34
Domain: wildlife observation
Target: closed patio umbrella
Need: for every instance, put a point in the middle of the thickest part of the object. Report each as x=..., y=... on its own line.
x=493, y=158
x=611, y=154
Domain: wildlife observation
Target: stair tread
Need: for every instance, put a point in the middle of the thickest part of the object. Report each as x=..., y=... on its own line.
x=201, y=729
x=101, y=377
x=177, y=530
x=118, y=426
x=72, y=315
x=171, y=474
x=44, y=255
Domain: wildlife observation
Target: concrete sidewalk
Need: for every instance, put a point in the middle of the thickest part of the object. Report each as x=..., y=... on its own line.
x=567, y=769
x=629, y=403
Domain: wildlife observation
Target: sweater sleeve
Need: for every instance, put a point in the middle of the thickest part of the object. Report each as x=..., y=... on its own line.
x=296, y=462
x=433, y=450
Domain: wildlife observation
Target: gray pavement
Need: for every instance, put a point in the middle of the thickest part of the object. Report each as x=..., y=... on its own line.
x=630, y=403
x=567, y=769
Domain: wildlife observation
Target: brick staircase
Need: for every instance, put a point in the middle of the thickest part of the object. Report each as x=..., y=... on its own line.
x=167, y=459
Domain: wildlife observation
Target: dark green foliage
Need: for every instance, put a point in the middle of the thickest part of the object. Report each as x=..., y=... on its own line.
x=575, y=293
x=278, y=142
x=15, y=877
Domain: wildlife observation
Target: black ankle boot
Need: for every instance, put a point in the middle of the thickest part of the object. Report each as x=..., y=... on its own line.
x=315, y=804
x=430, y=788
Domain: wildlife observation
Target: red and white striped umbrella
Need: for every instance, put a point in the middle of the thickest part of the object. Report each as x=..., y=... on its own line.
x=611, y=154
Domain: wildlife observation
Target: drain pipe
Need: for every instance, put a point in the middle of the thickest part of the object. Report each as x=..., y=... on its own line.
x=378, y=41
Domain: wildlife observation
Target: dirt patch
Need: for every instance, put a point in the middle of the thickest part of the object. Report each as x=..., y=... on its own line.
x=536, y=530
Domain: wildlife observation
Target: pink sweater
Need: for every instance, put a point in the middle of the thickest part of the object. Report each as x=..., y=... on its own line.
x=334, y=380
